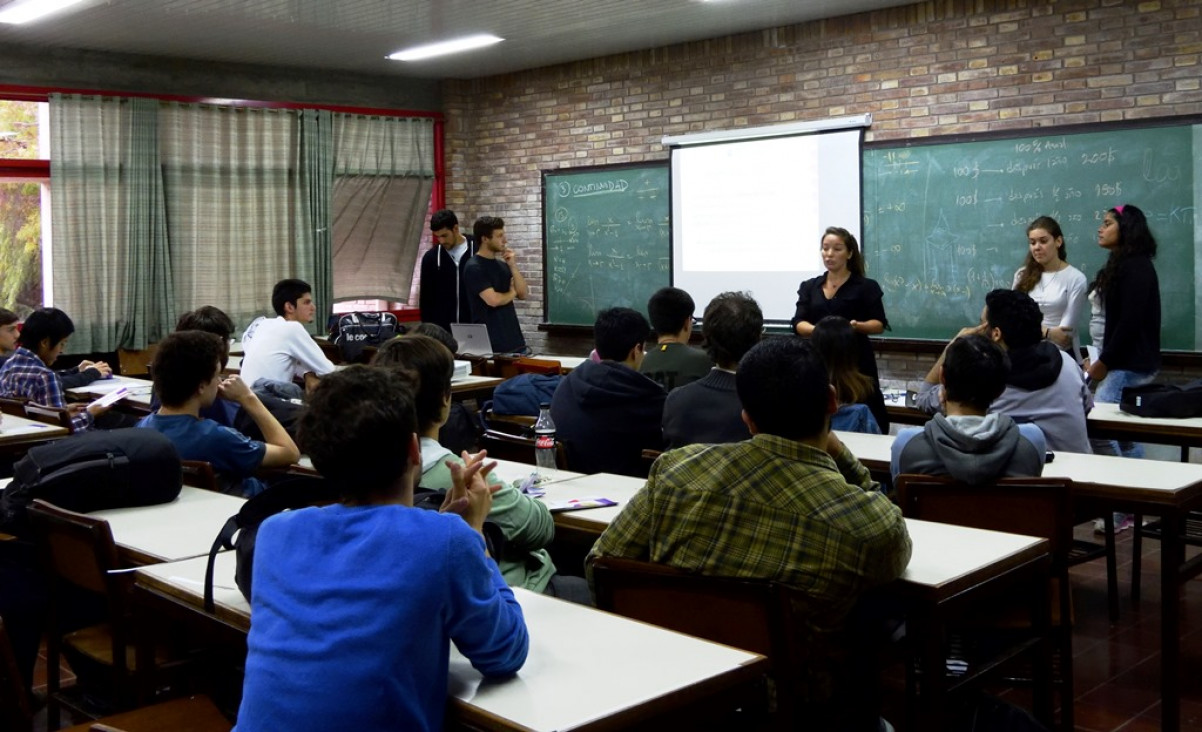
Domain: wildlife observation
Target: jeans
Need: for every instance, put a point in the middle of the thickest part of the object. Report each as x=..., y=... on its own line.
x=1111, y=390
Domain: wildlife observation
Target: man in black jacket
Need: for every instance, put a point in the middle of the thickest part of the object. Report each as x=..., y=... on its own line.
x=443, y=299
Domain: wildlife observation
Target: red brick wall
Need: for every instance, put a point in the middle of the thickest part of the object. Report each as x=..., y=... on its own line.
x=928, y=69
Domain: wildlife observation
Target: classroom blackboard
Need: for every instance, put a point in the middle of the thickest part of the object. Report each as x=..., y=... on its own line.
x=944, y=223
x=606, y=239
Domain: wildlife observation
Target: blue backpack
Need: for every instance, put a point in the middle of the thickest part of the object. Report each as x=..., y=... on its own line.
x=523, y=393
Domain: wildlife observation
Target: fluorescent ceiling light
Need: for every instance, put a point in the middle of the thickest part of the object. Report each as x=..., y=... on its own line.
x=25, y=11
x=443, y=48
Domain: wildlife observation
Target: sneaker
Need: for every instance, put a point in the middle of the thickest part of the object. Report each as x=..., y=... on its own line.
x=1122, y=522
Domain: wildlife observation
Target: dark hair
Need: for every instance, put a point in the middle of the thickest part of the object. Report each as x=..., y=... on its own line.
x=485, y=226
x=618, y=330
x=1135, y=240
x=855, y=263
x=1032, y=270
x=835, y=340
x=974, y=371
x=8, y=317
x=438, y=333
x=1016, y=315
x=443, y=218
x=669, y=308
x=783, y=387
x=287, y=292
x=210, y=320
x=428, y=365
x=183, y=362
x=732, y=324
x=357, y=429
x=45, y=323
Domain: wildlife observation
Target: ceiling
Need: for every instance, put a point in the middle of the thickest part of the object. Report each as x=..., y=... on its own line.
x=356, y=35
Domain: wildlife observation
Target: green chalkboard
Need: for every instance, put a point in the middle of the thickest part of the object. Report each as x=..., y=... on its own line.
x=606, y=239
x=944, y=223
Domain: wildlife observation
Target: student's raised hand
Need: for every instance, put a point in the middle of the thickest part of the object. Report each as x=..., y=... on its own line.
x=978, y=329
x=234, y=389
x=470, y=495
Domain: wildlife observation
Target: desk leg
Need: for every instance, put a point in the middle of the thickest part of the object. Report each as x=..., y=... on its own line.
x=1172, y=555
x=933, y=686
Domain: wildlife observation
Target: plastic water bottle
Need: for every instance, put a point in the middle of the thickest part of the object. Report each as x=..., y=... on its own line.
x=544, y=438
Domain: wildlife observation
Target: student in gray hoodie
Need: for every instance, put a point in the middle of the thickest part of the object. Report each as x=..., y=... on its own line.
x=1045, y=386
x=971, y=444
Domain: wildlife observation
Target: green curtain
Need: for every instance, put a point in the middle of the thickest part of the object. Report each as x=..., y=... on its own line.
x=314, y=249
x=149, y=297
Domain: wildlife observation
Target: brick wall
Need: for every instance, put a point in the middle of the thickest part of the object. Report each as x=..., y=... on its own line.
x=928, y=69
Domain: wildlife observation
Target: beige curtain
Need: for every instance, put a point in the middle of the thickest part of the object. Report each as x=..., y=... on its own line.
x=383, y=175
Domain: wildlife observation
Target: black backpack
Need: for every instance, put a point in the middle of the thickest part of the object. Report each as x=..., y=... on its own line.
x=1163, y=400
x=92, y=471
x=356, y=330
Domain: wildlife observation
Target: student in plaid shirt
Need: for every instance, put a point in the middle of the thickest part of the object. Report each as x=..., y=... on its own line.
x=27, y=374
x=792, y=504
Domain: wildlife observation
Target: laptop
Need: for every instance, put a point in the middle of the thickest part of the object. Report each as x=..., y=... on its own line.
x=473, y=339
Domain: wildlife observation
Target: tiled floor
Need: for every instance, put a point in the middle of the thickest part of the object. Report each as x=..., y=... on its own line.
x=1117, y=666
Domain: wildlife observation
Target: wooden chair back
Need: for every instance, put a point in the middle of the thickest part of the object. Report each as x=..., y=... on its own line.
x=15, y=714
x=519, y=449
x=755, y=615
x=12, y=405
x=526, y=365
x=199, y=474
x=49, y=415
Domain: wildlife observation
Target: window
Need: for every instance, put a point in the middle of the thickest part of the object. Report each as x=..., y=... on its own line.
x=24, y=205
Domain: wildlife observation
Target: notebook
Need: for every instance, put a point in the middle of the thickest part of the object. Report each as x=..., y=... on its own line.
x=473, y=338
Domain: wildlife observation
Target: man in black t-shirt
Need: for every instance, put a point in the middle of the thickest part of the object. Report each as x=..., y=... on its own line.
x=493, y=280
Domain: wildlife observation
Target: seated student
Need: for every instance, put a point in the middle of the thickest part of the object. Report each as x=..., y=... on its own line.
x=82, y=375
x=792, y=504
x=836, y=342
x=606, y=413
x=354, y=604
x=187, y=378
x=526, y=523
x=708, y=410
x=26, y=374
x=277, y=350
x=1045, y=386
x=462, y=430
x=210, y=320
x=970, y=444
x=672, y=362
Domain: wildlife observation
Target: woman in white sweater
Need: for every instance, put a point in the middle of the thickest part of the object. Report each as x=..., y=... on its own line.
x=1056, y=286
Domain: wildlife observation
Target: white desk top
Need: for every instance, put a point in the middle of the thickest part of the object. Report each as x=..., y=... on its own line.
x=944, y=553
x=20, y=429
x=1116, y=477
x=510, y=470
x=620, y=488
x=584, y=665
x=105, y=386
x=1104, y=412
x=567, y=363
x=184, y=528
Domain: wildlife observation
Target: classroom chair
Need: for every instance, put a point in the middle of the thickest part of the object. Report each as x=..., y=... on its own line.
x=15, y=714
x=526, y=365
x=1190, y=532
x=199, y=474
x=504, y=446
x=1040, y=507
x=78, y=550
x=12, y=405
x=756, y=615
x=188, y=714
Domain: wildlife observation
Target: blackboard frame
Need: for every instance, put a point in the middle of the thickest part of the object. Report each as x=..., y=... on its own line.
x=664, y=164
x=910, y=343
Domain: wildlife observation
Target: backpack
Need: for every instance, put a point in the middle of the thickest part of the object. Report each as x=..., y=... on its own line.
x=92, y=471
x=356, y=330
x=1163, y=400
x=523, y=393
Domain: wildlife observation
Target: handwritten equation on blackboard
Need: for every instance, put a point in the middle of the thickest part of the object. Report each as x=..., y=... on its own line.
x=946, y=223
x=607, y=236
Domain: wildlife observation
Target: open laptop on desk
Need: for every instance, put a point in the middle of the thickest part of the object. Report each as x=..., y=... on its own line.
x=473, y=339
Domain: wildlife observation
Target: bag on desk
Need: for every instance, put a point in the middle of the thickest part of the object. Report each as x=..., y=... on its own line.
x=356, y=330
x=1163, y=400
x=93, y=471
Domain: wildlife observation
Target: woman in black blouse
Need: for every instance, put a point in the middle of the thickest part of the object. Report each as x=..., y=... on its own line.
x=846, y=292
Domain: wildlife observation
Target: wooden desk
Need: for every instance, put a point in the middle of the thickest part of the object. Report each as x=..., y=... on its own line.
x=138, y=401
x=592, y=521
x=586, y=670
x=182, y=529
x=474, y=387
x=1165, y=489
x=20, y=433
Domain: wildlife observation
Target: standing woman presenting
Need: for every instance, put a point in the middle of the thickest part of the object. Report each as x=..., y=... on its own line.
x=1128, y=293
x=1055, y=285
x=844, y=291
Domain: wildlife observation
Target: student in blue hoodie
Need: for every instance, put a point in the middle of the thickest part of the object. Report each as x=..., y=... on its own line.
x=606, y=412
x=970, y=444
